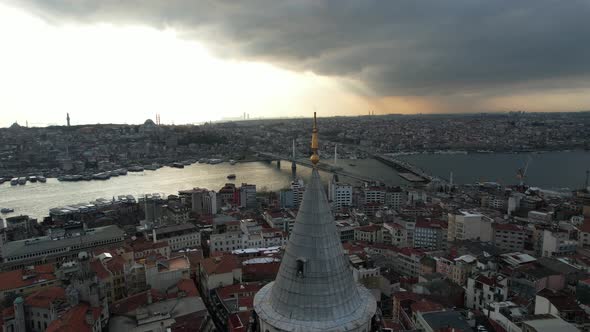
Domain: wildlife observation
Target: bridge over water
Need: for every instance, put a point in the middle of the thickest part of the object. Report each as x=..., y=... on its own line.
x=406, y=170
x=321, y=166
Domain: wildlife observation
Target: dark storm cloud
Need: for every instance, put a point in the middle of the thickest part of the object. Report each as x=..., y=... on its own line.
x=415, y=47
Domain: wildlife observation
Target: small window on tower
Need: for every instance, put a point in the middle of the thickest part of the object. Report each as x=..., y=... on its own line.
x=300, y=265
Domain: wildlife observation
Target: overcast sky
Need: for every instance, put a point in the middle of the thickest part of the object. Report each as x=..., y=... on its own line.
x=192, y=60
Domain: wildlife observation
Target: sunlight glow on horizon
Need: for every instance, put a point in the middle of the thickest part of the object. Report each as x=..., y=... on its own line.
x=112, y=74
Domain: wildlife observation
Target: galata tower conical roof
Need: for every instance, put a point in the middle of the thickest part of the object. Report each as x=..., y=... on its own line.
x=314, y=289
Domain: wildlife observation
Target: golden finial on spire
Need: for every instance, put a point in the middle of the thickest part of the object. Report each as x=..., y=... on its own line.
x=315, y=158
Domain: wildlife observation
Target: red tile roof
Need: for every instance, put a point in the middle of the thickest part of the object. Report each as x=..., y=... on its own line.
x=394, y=225
x=485, y=280
x=352, y=247
x=239, y=289
x=220, y=264
x=188, y=287
x=585, y=227
x=508, y=227
x=426, y=306
x=276, y=214
x=135, y=301
x=74, y=320
x=44, y=297
x=141, y=244
x=405, y=295
x=189, y=323
x=381, y=246
x=101, y=272
x=176, y=263
x=246, y=302
x=8, y=312
x=238, y=322
x=23, y=277
x=116, y=264
x=411, y=251
x=261, y=271
x=431, y=224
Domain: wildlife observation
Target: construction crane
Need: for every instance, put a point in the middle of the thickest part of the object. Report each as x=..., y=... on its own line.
x=521, y=173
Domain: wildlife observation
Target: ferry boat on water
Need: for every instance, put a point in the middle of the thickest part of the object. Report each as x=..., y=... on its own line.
x=152, y=167
x=135, y=169
x=70, y=178
x=101, y=176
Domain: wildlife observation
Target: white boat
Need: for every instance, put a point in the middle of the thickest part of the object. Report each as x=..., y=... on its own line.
x=101, y=176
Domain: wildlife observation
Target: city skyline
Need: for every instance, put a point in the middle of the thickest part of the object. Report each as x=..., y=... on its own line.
x=294, y=165
x=194, y=62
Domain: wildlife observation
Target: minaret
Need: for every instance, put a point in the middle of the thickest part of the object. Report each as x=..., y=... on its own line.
x=314, y=289
x=293, y=163
x=68, y=118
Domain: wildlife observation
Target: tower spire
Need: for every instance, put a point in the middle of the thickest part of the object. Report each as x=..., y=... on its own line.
x=314, y=290
x=315, y=158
